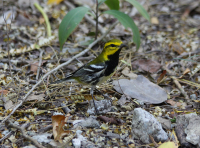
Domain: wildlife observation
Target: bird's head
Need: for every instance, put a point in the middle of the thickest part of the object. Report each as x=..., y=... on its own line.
x=113, y=46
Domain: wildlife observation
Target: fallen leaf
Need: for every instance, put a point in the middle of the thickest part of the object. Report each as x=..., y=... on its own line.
x=58, y=122
x=3, y=92
x=168, y=145
x=8, y=105
x=142, y=89
x=176, y=104
x=161, y=76
x=104, y=126
x=186, y=71
x=154, y=20
x=178, y=48
x=146, y=65
x=34, y=67
x=35, y=97
x=109, y=120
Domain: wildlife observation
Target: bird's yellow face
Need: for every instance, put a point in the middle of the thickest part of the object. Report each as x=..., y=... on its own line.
x=112, y=47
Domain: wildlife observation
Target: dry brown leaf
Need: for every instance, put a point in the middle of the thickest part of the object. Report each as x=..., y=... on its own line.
x=178, y=104
x=177, y=48
x=58, y=122
x=146, y=65
x=35, y=97
x=186, y=71
x=109, y=120
x=4, y=92
x=161, y=76
x=142, y=89
x=9, y=105
x=34, y=67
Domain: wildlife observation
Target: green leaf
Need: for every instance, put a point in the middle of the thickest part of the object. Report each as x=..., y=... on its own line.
x=173, y=120
x=112, y=4
x=141, y=9
x=70, y=22
x=127, y=22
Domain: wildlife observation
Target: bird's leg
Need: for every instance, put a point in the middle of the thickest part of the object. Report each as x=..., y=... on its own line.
x=105, y=96
x=91, y=92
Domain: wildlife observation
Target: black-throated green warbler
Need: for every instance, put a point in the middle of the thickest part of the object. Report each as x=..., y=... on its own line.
x=100, y=69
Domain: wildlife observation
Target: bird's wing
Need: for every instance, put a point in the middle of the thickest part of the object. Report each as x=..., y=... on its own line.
x=89, y=69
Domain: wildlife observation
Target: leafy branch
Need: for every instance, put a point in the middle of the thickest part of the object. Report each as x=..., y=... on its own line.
x=74, y=17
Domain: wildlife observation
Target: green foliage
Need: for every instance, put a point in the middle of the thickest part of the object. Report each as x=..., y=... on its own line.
x=70, y=22
x=74, y=16
x=173, y=120
x=112, y=4
x=141, y=9
x=127, y=22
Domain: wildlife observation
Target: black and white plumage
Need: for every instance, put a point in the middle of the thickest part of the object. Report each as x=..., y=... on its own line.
x=100, y=69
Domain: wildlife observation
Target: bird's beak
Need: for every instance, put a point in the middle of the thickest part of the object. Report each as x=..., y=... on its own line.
x=122, y=45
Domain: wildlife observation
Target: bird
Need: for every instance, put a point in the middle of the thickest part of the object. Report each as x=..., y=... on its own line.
x=98, y=70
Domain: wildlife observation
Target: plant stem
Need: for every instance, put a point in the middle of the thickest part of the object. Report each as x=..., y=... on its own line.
x=97, y=5
x=45, y=18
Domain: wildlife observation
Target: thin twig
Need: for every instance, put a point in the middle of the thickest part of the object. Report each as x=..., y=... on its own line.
x=39, y=65
x=37, y=144
x=6, y=136
x=176, y=82
x=180, y=87
x=90, y=20
x=58, y=67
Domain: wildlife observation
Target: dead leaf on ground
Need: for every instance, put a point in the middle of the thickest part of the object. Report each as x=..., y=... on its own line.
x=168, y=145
x=186, y=71
x=154, y=20
x=34, y=67
x=3, y=92
x=58, y=122
x=142, y=89
x=33, y=97
x=161, y=77
x=146, y=65
x=109, y=120
x=9, y=105
x=176, y=104
x=178, y=48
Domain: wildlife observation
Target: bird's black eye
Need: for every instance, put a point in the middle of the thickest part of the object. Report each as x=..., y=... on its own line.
x=112, y=45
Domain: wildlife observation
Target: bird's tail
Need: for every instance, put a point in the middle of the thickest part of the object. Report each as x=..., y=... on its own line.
x=67, y=79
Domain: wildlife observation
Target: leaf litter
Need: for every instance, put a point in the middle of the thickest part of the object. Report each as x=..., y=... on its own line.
x=171, y=41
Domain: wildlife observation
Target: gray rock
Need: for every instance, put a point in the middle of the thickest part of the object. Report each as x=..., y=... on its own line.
x=184, y=119
x=145, y=124
x=87, y=123
x=43, y=138
x=193, y=96
x=193, y=131
x=103, y=106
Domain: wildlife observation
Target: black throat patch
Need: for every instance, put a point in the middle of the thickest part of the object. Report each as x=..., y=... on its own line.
x=112, y=63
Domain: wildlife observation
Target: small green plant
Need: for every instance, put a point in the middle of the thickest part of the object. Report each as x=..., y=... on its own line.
x=74, y=17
